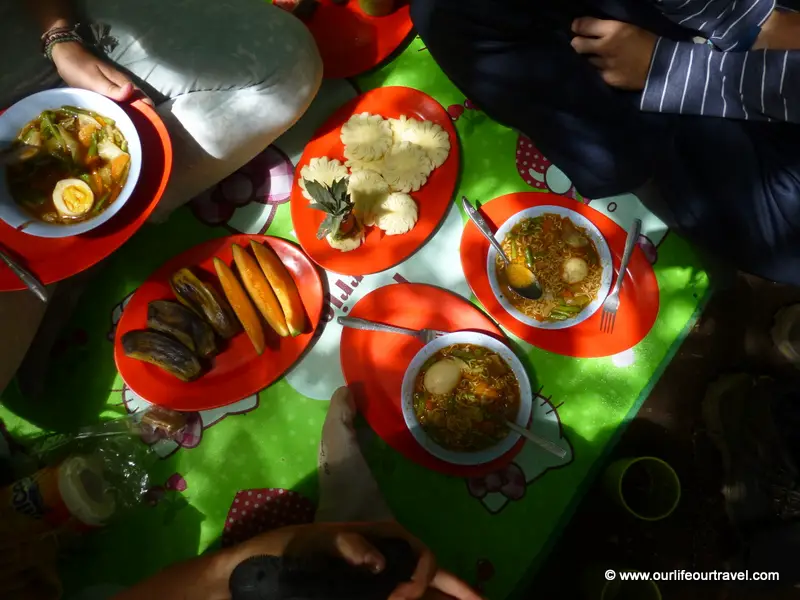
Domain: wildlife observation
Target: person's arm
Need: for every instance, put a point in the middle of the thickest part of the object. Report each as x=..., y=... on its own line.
x=207, y=577
x=729, y=25
x=50, y=13
x=76, y=65
x=695, y=79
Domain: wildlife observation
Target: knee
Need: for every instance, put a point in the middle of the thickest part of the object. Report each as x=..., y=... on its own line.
x=422, y=13
x=298, y=75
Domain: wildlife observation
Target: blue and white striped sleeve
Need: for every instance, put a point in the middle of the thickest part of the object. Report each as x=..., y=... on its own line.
x=696, y=79
x=730, y=25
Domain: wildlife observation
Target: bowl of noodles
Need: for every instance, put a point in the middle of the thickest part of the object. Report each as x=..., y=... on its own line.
x=569, y=257
x=459, y=391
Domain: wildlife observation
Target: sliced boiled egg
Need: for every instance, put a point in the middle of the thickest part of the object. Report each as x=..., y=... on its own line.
x=72, y=198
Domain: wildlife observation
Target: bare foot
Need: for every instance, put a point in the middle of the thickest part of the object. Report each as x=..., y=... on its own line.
x=342, y=408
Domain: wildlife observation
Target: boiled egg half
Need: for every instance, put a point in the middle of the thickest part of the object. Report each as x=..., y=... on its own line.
x=443, y=376
x=72, y=198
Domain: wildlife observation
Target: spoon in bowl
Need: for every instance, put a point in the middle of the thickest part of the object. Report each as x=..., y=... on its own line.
x=19, y=153
x=520, y=278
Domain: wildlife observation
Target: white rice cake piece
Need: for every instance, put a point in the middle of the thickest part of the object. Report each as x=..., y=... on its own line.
x=397, y=214
x=366, y=137
x=346, y=244
x=366, y=189
x=323, y=170
x=406, y=167
x=426, y=134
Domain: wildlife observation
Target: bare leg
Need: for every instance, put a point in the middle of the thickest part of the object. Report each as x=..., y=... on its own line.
x=348, y=491
x=229, y=78
x=20, y=315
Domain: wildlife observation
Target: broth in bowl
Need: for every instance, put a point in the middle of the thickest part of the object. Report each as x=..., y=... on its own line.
x=490, y=384
x=564, y=260
x=463, y=396
x=76, y=166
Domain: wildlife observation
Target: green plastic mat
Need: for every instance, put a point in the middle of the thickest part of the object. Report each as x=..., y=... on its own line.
x=493, y=531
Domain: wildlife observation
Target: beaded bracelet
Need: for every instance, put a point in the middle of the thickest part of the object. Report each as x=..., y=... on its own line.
x=58, y=35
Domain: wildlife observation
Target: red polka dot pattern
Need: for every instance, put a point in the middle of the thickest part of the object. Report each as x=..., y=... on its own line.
x=259, y=510
x=529, y=160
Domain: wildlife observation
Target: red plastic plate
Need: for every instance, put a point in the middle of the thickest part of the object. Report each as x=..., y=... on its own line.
x=237, y=372
x=351, y=42
x=54, y=259
x=638, y=301
x=379, y=252
x=374, y=363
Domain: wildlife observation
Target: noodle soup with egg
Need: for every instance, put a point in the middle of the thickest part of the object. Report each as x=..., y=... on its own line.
x=564, y=260
x=463, y=396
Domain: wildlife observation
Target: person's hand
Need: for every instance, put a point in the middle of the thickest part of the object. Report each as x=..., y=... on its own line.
x=350, y=542
x=781, y=31
x=79, y=68
x=620, y=51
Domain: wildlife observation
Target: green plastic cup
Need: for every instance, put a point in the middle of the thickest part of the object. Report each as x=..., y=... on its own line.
x=597, y=587
x=647, y=487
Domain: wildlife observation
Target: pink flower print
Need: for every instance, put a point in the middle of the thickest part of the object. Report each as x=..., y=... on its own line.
x=193, y=432
x=189, y=437
x=176, y=483
x=455, y=111
x=258, y=510
x=509, y=481
x=538, y=172
x=267, y=180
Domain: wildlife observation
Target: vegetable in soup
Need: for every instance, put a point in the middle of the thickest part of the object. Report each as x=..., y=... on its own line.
x=76, y=168
x=563, y=259
x=463, y=396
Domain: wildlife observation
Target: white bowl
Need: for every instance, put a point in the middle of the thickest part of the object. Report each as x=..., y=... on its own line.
x=603, y=251
x=27, y=109
x=424, y=440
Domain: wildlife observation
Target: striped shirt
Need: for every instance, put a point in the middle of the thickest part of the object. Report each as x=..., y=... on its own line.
x=723, y=78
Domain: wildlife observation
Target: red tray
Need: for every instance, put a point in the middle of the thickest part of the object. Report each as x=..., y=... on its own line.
x=351, y=42
x=374, y=363
x=237, y=371
x=378, y=252
x=639, y=298
x=54, y=259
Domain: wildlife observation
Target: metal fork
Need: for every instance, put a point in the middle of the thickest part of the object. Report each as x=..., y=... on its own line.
x=426, y=336
x=611, y=304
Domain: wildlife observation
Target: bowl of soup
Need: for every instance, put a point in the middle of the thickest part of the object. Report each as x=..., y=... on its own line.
x=78, y=161
x=569, y=257
x=458, y=393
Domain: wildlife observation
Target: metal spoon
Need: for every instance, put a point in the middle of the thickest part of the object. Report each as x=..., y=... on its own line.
x=544, y=444
x=28, y=278
x=532, y=291
x=19, y=153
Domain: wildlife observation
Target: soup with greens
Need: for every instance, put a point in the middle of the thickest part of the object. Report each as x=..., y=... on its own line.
x=463, y=396
x=75, y=166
